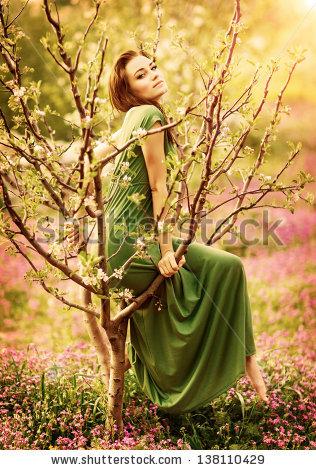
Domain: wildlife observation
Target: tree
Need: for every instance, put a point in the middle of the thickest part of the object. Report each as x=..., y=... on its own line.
x=32, y=161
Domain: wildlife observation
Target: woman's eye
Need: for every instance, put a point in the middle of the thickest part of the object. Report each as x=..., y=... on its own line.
x=154, y=67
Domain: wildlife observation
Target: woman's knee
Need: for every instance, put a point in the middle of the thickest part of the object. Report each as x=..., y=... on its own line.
x=231, y=262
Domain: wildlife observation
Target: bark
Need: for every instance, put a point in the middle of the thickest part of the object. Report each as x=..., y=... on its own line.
x=99, y=339
x=114, y=362
x=117, y=338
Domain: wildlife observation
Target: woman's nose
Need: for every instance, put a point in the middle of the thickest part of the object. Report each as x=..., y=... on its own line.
x=154, y=74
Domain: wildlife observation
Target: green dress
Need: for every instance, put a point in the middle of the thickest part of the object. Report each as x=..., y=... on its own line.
x=189, y=347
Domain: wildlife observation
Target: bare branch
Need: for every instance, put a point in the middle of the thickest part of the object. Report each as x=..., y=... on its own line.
x=94, y=18
x=31, y=239
x=51, y=290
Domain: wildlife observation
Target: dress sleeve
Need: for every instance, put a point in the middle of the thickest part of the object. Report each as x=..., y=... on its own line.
x=150, y=115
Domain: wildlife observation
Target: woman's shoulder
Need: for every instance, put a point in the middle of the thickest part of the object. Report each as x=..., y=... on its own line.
x=144, y=116
x=144, y=109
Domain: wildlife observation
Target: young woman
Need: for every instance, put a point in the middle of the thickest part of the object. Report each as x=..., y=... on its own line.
x=194, y=339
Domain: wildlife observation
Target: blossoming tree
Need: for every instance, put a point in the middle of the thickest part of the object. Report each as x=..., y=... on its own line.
x=36, y=180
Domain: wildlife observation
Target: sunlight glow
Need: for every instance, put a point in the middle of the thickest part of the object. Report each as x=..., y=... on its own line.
x=307, y=3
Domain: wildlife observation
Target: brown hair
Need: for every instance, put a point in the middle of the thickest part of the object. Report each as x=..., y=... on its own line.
x=120, y=93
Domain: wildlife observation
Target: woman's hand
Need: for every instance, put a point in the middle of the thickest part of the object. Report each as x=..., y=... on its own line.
x=167, y=264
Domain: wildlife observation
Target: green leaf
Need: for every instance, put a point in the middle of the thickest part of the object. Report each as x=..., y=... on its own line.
x=242, y=404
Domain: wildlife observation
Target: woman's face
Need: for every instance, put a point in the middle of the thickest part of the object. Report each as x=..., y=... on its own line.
x=144, y=77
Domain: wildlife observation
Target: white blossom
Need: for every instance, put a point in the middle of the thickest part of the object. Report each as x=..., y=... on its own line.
x=126, y=294
x=248, y=149
x=101, y=275
x=100, y=100
x=118, y=273
x=139, y=132
x=86, y=122
x=38, y=148
x=126, y=178
x=181, y=111
x=124, y=166
x=160, y=224
x=86, y=280
x=56, y=249
x=159, y=304
x=287, y=109
x=140, y=243
x=19, y=92
x=40, y=113
x=225, y=130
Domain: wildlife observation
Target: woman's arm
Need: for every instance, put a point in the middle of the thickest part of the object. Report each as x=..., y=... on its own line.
x=101, y=151
x=154, y=154
x=104, y=148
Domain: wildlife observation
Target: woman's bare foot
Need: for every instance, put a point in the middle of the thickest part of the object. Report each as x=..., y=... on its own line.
x=255, y=376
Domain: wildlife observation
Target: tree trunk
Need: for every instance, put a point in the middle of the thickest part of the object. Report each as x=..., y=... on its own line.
x=117, y=339
x=99, y=339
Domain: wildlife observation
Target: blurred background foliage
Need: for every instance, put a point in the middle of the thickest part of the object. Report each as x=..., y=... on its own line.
x=272, y=27
x=190, y=30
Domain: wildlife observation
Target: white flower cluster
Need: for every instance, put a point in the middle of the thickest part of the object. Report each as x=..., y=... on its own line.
x=86, y=280
x=19, y=92
x=118, y=273
x=286, y=109
x=56, y=250
x=181, y=111
x=101, y=275
x=140, y=244
x=163, y=226
x=100, y=100
x=225, y=130
x=158, y=304
x=86, y=122
x=90, y=274
x=264, y=177
x=38, y=148
x=139, y=132
x=248, y=150
x=125, y=180
x=39, y=113
x=124, y=167
x=126, y=294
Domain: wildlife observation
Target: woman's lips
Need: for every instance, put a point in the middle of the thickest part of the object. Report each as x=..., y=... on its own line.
x=159, y=83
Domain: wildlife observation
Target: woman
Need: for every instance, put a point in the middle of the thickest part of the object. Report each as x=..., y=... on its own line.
x=191, y=342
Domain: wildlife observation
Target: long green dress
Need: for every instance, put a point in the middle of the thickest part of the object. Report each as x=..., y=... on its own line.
x=190, y=347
